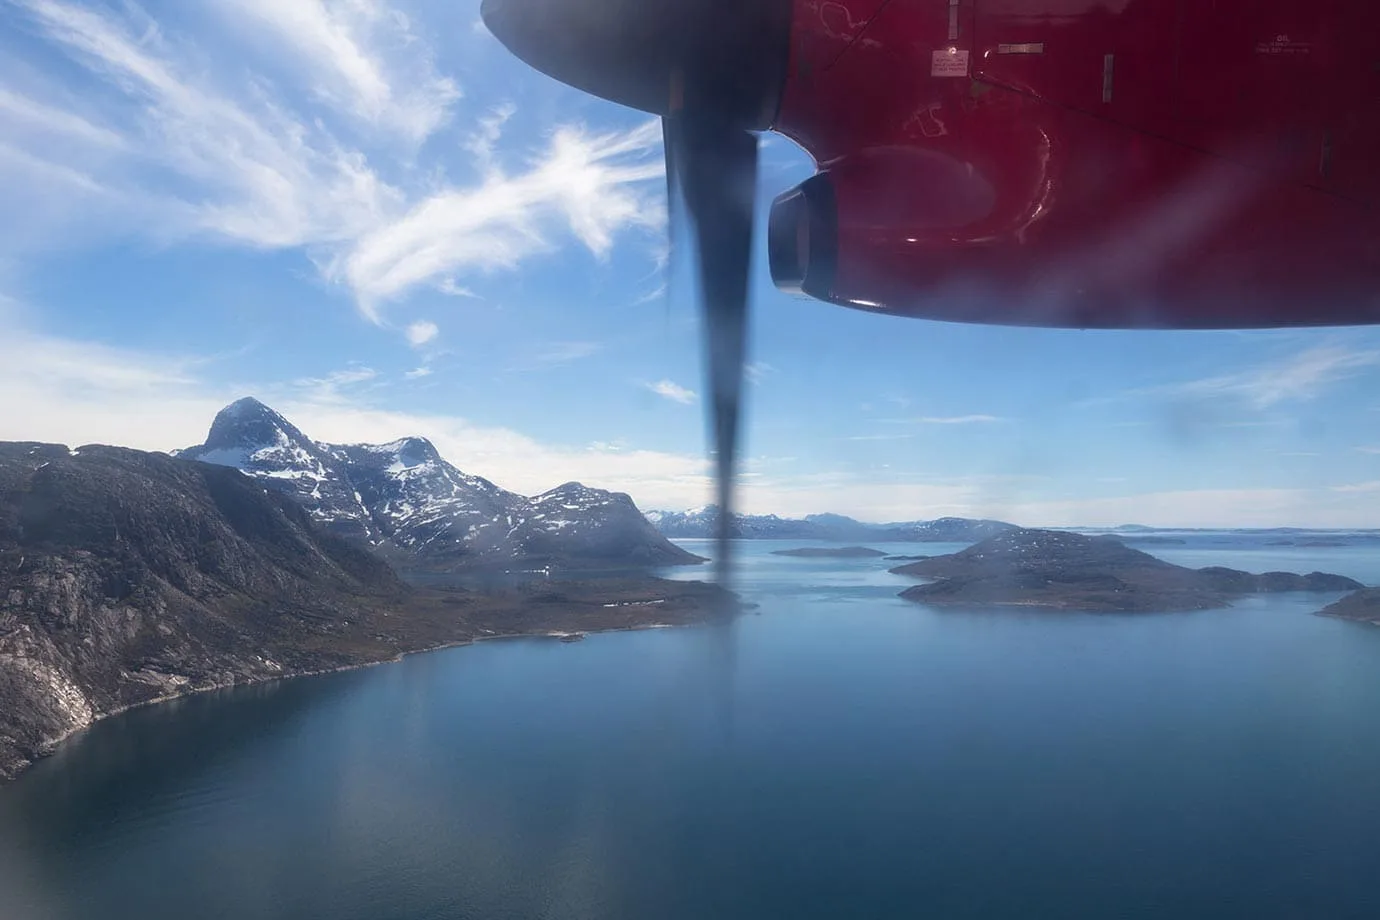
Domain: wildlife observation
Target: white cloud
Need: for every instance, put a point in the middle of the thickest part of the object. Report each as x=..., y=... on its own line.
x=1201, y=508
x=187, y=143
x=76, y=392
x=565, y=352
x=957, y=419
x=513, y=459
x=70, y=391
x=25, y=114
x=947, y=420
x=1371, y=486
x=421, y=332
x=1299, y=378
x=481, y=144
x=757, y=371
x=448, y=287
x=365, y=58
x=1369, y=449
x=594, y=185
x=673, y=391
x=53, y=175
x=657, y=294
x=328, y=389
x=418, y=372
x=247, y=170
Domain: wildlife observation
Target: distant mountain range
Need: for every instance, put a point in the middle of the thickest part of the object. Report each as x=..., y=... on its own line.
x=834, y=527
x=420, y=512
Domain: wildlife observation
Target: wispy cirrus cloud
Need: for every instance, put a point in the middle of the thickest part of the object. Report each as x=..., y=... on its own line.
x=758, y=371
x=362, y=56
x=332, y=387
x=669, y=389
x=958, y=419
x=946, y=420
x=1297, y=378
x=553, y=353
x=482, y=143
x=173, y=139
x=27, y=115
x=591, y=185
x=201, y=161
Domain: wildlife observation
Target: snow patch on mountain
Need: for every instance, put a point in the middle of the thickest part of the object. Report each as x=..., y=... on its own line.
x=405, y=499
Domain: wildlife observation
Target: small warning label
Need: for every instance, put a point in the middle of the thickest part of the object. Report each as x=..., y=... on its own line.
x=1283, y=45
x=949, y=62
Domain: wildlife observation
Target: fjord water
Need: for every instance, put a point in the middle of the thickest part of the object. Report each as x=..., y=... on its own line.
x=838, y=753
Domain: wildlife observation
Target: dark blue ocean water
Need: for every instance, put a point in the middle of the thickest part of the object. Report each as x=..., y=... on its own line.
x=840, y=753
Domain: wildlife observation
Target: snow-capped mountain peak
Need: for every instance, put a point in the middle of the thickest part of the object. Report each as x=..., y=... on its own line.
x=251, y=437
x=405, y=498
x=247, y=431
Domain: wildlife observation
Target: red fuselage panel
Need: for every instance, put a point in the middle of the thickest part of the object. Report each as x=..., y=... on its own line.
x=1121, y=163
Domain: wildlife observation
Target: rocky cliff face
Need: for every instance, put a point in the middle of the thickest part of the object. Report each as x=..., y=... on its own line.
x=127, y=577
x=420, y=512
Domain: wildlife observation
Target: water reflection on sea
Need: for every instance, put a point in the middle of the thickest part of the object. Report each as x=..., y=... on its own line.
x=839, y=752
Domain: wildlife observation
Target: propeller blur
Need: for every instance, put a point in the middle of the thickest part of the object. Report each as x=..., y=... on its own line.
x=1141, y=165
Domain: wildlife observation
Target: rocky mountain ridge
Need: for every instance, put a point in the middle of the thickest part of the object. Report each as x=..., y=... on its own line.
x=129, y=577
x=421, y=512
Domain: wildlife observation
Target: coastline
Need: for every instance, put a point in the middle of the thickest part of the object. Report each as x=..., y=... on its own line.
x=51, y=747
x=1339, y=616
x=424, y=620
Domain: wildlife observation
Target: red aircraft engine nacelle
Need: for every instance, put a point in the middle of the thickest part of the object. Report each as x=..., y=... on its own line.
x=1089, y=163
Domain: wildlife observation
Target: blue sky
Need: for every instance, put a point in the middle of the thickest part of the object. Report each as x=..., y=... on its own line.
x=370, y=216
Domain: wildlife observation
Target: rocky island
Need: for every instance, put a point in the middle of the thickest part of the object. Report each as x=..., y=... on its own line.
x=1069, y=571
x=831, y=552
x=129, y=577
x=1362, y=606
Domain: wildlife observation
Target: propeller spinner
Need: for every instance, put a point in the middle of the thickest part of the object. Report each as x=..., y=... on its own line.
x=713, y=70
